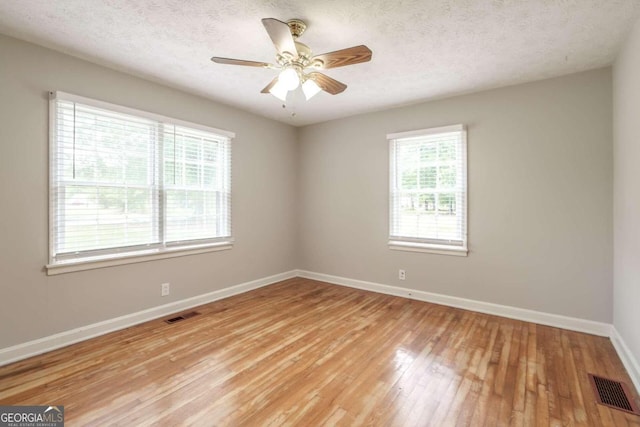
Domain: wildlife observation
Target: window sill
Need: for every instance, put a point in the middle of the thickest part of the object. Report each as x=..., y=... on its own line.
x=428, y=248
x=69, y=266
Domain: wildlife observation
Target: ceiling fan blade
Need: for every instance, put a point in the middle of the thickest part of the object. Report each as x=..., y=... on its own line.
x=327, y=84
x=280, y=36
x=348, y=56
x=270, y=85
x=230, y=61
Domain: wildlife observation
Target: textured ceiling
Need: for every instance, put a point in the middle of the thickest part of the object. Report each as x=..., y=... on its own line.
x=421, y=49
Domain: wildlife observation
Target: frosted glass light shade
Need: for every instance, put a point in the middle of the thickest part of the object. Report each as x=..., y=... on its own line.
x=310, y=89
x=289, y=78
x=279, y=91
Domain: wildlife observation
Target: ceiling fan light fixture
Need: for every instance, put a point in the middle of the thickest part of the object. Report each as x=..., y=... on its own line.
x=289, y=79
x=280, y=91
x=298, y=64
x=310, y=89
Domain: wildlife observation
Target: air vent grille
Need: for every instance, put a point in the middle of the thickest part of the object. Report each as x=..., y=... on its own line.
x=614, y=394
x=181, y=317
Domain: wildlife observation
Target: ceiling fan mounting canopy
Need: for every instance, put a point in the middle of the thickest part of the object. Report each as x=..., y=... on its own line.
x=297, y=27
x=298, y=57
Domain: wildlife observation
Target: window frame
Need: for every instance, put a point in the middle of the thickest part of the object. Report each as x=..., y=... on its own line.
x=125, y=255
x=428, y=245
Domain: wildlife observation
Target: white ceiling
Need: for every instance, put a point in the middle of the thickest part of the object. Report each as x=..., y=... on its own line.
x=422, y=49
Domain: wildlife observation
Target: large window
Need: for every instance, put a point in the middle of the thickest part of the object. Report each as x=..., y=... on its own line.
x=129, y=183
x=428, y=190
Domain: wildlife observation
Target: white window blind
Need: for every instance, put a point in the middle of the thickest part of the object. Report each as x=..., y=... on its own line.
x=125, y=181
x=428, y=189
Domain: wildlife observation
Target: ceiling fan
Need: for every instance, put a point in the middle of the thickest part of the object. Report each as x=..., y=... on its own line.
x=298, y=64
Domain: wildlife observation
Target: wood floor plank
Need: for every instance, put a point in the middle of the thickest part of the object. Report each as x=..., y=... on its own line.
x=306, y=353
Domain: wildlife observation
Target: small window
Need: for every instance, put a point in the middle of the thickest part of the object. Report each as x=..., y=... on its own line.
x=428, y=190
x=125, y=183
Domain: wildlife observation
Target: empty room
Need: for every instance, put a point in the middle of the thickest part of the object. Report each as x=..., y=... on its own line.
x=276, y=213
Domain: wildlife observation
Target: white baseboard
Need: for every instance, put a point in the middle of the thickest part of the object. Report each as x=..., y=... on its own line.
x=43, y=345
x=555, y=320
x=62, y=339
x=629, y=362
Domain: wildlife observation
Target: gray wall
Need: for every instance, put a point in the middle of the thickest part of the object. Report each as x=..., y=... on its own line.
x=33, y=304
x=626, y=192
x=540, y=178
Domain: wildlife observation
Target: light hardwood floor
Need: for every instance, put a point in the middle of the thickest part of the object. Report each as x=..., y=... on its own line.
x=307, y=353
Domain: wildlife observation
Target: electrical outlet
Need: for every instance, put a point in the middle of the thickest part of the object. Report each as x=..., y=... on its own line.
x=165, y=289
x=401, y=274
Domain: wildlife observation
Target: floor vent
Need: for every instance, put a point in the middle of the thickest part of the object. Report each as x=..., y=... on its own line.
x=614, y=394
x=182, y=317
